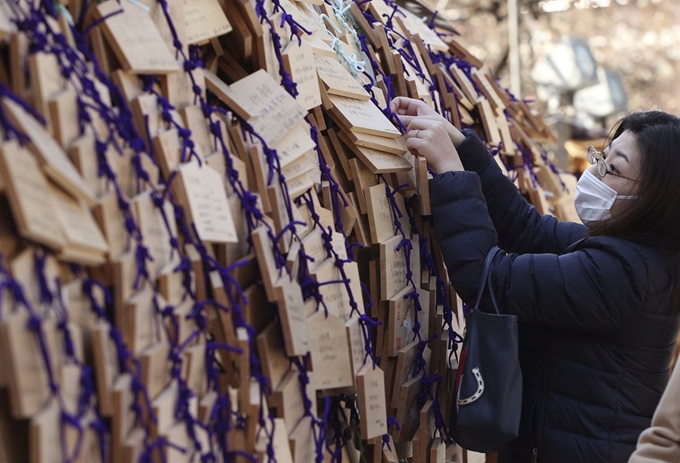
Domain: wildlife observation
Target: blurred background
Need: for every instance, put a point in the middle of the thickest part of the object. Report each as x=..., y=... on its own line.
x=584, y=63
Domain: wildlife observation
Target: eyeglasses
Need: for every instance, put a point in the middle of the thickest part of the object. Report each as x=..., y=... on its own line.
x=595, y=156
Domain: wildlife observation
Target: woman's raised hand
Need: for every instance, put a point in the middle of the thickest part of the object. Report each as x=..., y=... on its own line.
x=429, y=134
x=407, y=109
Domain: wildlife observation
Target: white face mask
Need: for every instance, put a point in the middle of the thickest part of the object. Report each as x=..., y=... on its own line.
x=594, y=199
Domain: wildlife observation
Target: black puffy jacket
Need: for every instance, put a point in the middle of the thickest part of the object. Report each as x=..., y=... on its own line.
x=597, y=327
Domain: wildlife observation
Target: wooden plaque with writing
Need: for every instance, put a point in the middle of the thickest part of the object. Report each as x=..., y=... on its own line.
x=135, y=39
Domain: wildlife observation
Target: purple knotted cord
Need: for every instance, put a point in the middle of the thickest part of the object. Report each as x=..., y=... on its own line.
x=35, y=325
x=419, y=363
x=10, y=285
x=72, y=66
x=336, y=196
x=386, y=79
x=10, y=131
x=527, y=164
x=124, y=127
x=138, y=166
x=389, y=17
x=70, y=418
x=157, y=445
x=318, y=425
x=296, y=28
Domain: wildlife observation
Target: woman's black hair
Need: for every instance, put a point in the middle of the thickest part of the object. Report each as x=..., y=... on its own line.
x=655, y=217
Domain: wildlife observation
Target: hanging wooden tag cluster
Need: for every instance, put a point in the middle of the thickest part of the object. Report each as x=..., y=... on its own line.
x=215, y=244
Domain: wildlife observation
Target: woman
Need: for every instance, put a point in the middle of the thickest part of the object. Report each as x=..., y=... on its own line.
x=596, y=304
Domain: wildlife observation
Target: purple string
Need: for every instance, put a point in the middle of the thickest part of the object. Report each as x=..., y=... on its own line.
x=387, y=79
x=321, y=437
x=405, y=245
x=188, y=145
x=366, y=323
x=35, y=325
x=89, y=284
x=431, y=22
x=391, y=422
x=11, y=286
x=70, y=420
x=87, y=394
x=73, y=66
x=318, y=424
x=39, y=260
x=527, y=165
x=390, y=17
x=336, y=195
x=9, y=129
x=286, y=80
x=158, y=445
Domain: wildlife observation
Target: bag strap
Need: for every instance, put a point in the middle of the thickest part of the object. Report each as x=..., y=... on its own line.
x=486, y=276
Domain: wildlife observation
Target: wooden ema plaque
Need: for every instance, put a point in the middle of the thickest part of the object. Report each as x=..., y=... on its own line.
x=155, y=234
x=29, y=196
x=204, y=193
x=229, y=96
x=135, y=39
x=362, y=116
x=85, y=243
x=204, y=19
x=401, y=316
x=330, y=352
x=293, y=317
x=49, y=82
x=371, y=386
x=288, y=398
x=355, y=338
x=338, y=80
x=379, y=211
x=275, y=111
x=294, y=145
x=393, y=264
x=301, y=441
x=52, y=158
x=272, y=352
x=300, y=63
x=381, y=162
x=334, y=292
x=28, y=386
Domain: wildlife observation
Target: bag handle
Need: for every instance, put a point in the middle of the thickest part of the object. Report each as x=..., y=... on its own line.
x=486, y=276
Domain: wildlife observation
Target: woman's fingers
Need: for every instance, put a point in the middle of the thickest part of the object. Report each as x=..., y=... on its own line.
x=400, y=105
x=429, y=138
x=405, y=119
x=410, y=107
x=420, y=129
x=421, y=123
x=413, y=133
x=415, y=144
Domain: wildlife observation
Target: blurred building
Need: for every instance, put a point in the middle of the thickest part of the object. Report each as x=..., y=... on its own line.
x=625, y=55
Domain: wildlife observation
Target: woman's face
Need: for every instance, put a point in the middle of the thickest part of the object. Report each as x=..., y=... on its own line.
x=623, y=157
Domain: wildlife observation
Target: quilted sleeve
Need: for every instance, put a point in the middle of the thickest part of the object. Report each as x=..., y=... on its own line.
x=520, y=227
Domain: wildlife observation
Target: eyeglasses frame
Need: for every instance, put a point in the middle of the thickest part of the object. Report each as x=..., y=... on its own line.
x=596, y=156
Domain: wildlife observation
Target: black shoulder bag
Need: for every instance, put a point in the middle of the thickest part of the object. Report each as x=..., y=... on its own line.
x=487, y=406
